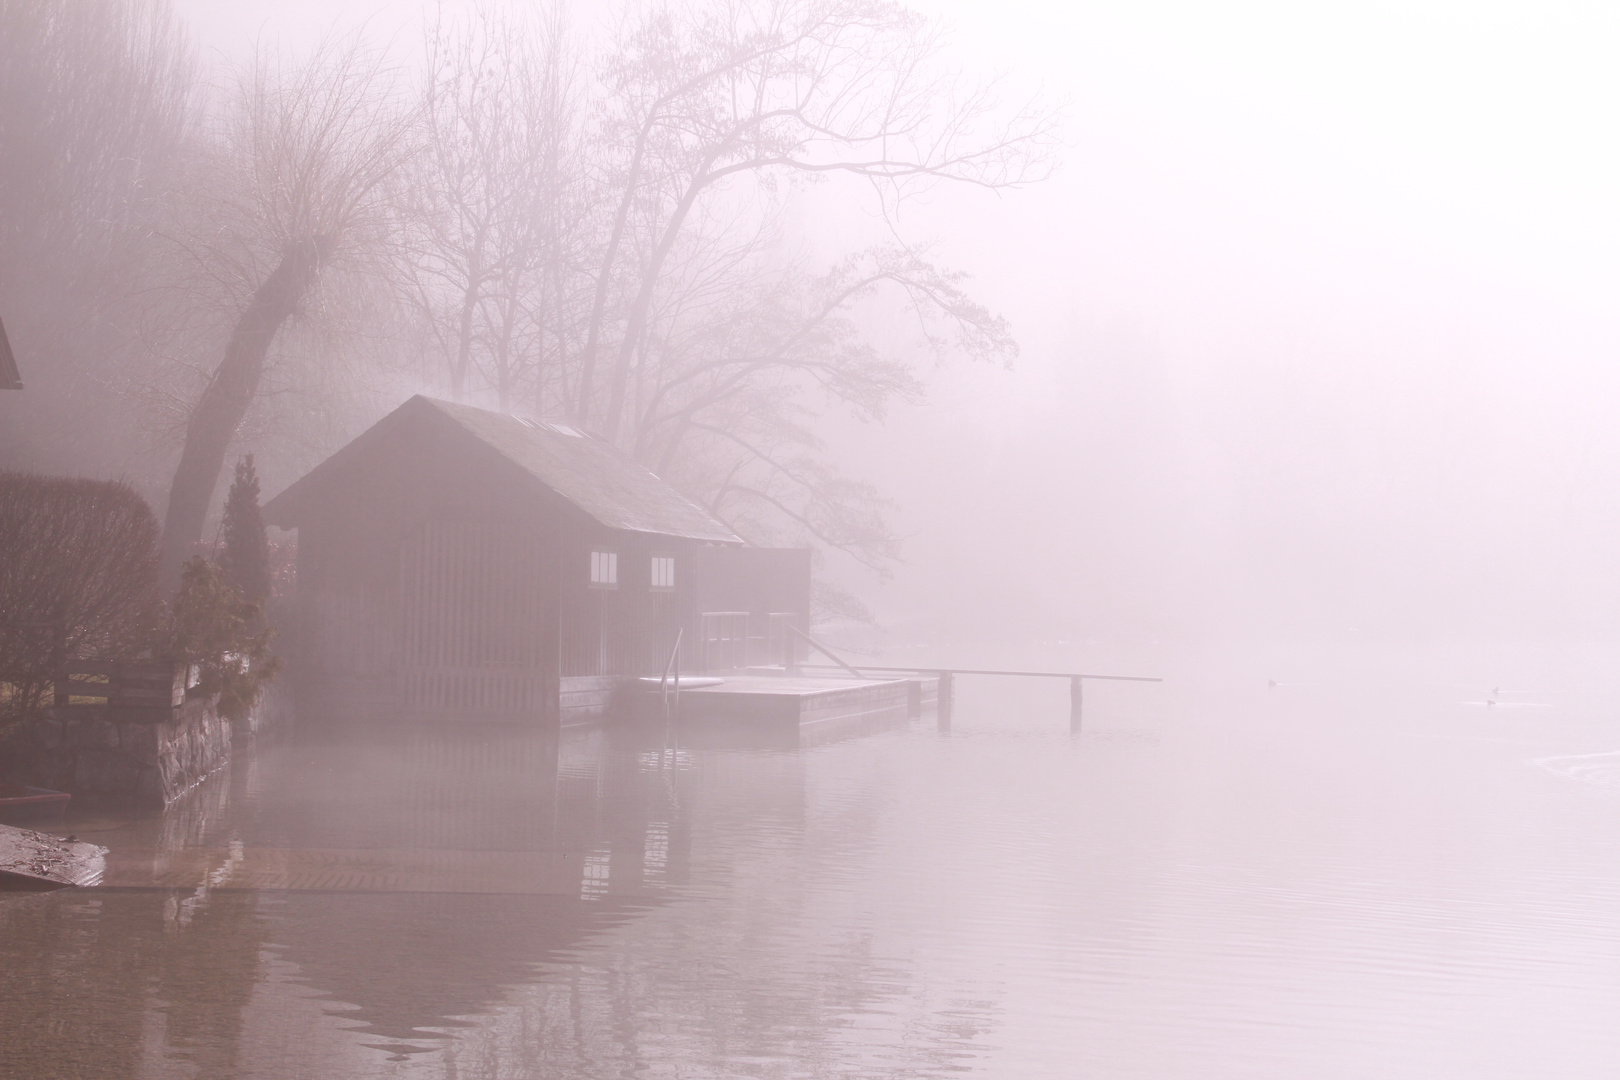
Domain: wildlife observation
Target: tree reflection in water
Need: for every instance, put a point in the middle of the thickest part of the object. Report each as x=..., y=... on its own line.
x=479, y=900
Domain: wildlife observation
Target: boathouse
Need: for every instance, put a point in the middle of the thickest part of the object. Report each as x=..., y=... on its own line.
x=460, y=562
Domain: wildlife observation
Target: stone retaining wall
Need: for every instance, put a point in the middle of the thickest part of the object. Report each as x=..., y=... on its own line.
x=141, y=756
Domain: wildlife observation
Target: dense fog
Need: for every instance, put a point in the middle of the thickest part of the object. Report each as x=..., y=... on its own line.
x=1317, y=327
x=1310, y=318
x=787, y=538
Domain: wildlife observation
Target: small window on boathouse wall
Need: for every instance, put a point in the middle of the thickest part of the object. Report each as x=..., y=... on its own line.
x=663, y=571
x=605, y=569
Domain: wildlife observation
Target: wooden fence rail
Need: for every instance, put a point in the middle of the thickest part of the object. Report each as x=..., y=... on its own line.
x=147, y=684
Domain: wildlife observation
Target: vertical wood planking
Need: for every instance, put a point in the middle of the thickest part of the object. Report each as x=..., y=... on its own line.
x=474, y=600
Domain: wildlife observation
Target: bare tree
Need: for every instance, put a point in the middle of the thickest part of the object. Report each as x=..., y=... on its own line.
x=609, y=250
x=711, y=349
x=490, y=193
x=730, y=403
x=308, y=153
x=97, y=96
x=780, y=89
x=634, y=279
x=607, y=247
x=96, y=106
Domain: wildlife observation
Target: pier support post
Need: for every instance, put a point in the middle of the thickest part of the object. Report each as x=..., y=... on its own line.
x=1075, y=684
x=946, y=696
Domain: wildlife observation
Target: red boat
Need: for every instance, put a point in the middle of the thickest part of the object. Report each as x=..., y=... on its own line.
x=18, y=802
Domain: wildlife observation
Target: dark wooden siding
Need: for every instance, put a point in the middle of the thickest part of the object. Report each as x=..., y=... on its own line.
x=478, y=620
x=347, y=608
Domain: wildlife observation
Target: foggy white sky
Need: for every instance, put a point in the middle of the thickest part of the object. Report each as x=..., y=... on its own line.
x=1318, y=322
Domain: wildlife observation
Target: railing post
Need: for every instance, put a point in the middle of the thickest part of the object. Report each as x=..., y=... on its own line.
x=946, y=694
x=59, y=680
x=664, y=683
x=1075, y=686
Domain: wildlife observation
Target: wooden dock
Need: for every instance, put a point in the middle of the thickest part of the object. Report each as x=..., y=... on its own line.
x=944, y=681
x=814, y=694
x=945, y=678
x=802, y=701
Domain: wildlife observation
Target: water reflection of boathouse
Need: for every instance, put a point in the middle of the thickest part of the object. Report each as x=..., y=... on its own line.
x=453, y=560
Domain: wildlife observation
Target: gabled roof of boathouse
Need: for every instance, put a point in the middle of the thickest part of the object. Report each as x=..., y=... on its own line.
x=594, y=476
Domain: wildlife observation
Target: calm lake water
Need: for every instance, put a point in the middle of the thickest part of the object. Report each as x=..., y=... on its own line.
x=1366, y=870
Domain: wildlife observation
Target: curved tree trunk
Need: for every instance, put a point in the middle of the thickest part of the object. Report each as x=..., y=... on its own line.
x=225, y=401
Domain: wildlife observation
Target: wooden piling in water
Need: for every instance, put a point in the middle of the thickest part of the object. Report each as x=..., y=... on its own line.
x=1076, y=689
x=946, y=699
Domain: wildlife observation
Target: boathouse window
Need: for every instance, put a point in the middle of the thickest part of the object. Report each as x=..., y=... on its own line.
x=605, y=568
x=663, y=571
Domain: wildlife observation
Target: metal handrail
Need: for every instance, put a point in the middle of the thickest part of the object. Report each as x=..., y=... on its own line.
x=947, y=677
x=675, y=664
x=974, y=671
x=828, y=652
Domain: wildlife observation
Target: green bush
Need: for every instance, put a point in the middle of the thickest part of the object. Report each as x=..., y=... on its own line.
x=222, y=632
x=246, y=555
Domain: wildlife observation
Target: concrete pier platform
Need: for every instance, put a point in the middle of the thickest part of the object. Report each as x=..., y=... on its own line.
x=803, y=701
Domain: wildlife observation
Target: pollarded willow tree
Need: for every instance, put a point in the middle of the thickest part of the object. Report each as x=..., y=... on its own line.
x=674, y=320
x=298, y=181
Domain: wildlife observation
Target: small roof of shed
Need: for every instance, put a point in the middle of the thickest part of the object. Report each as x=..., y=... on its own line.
x=10, y=377
x=596, y=477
